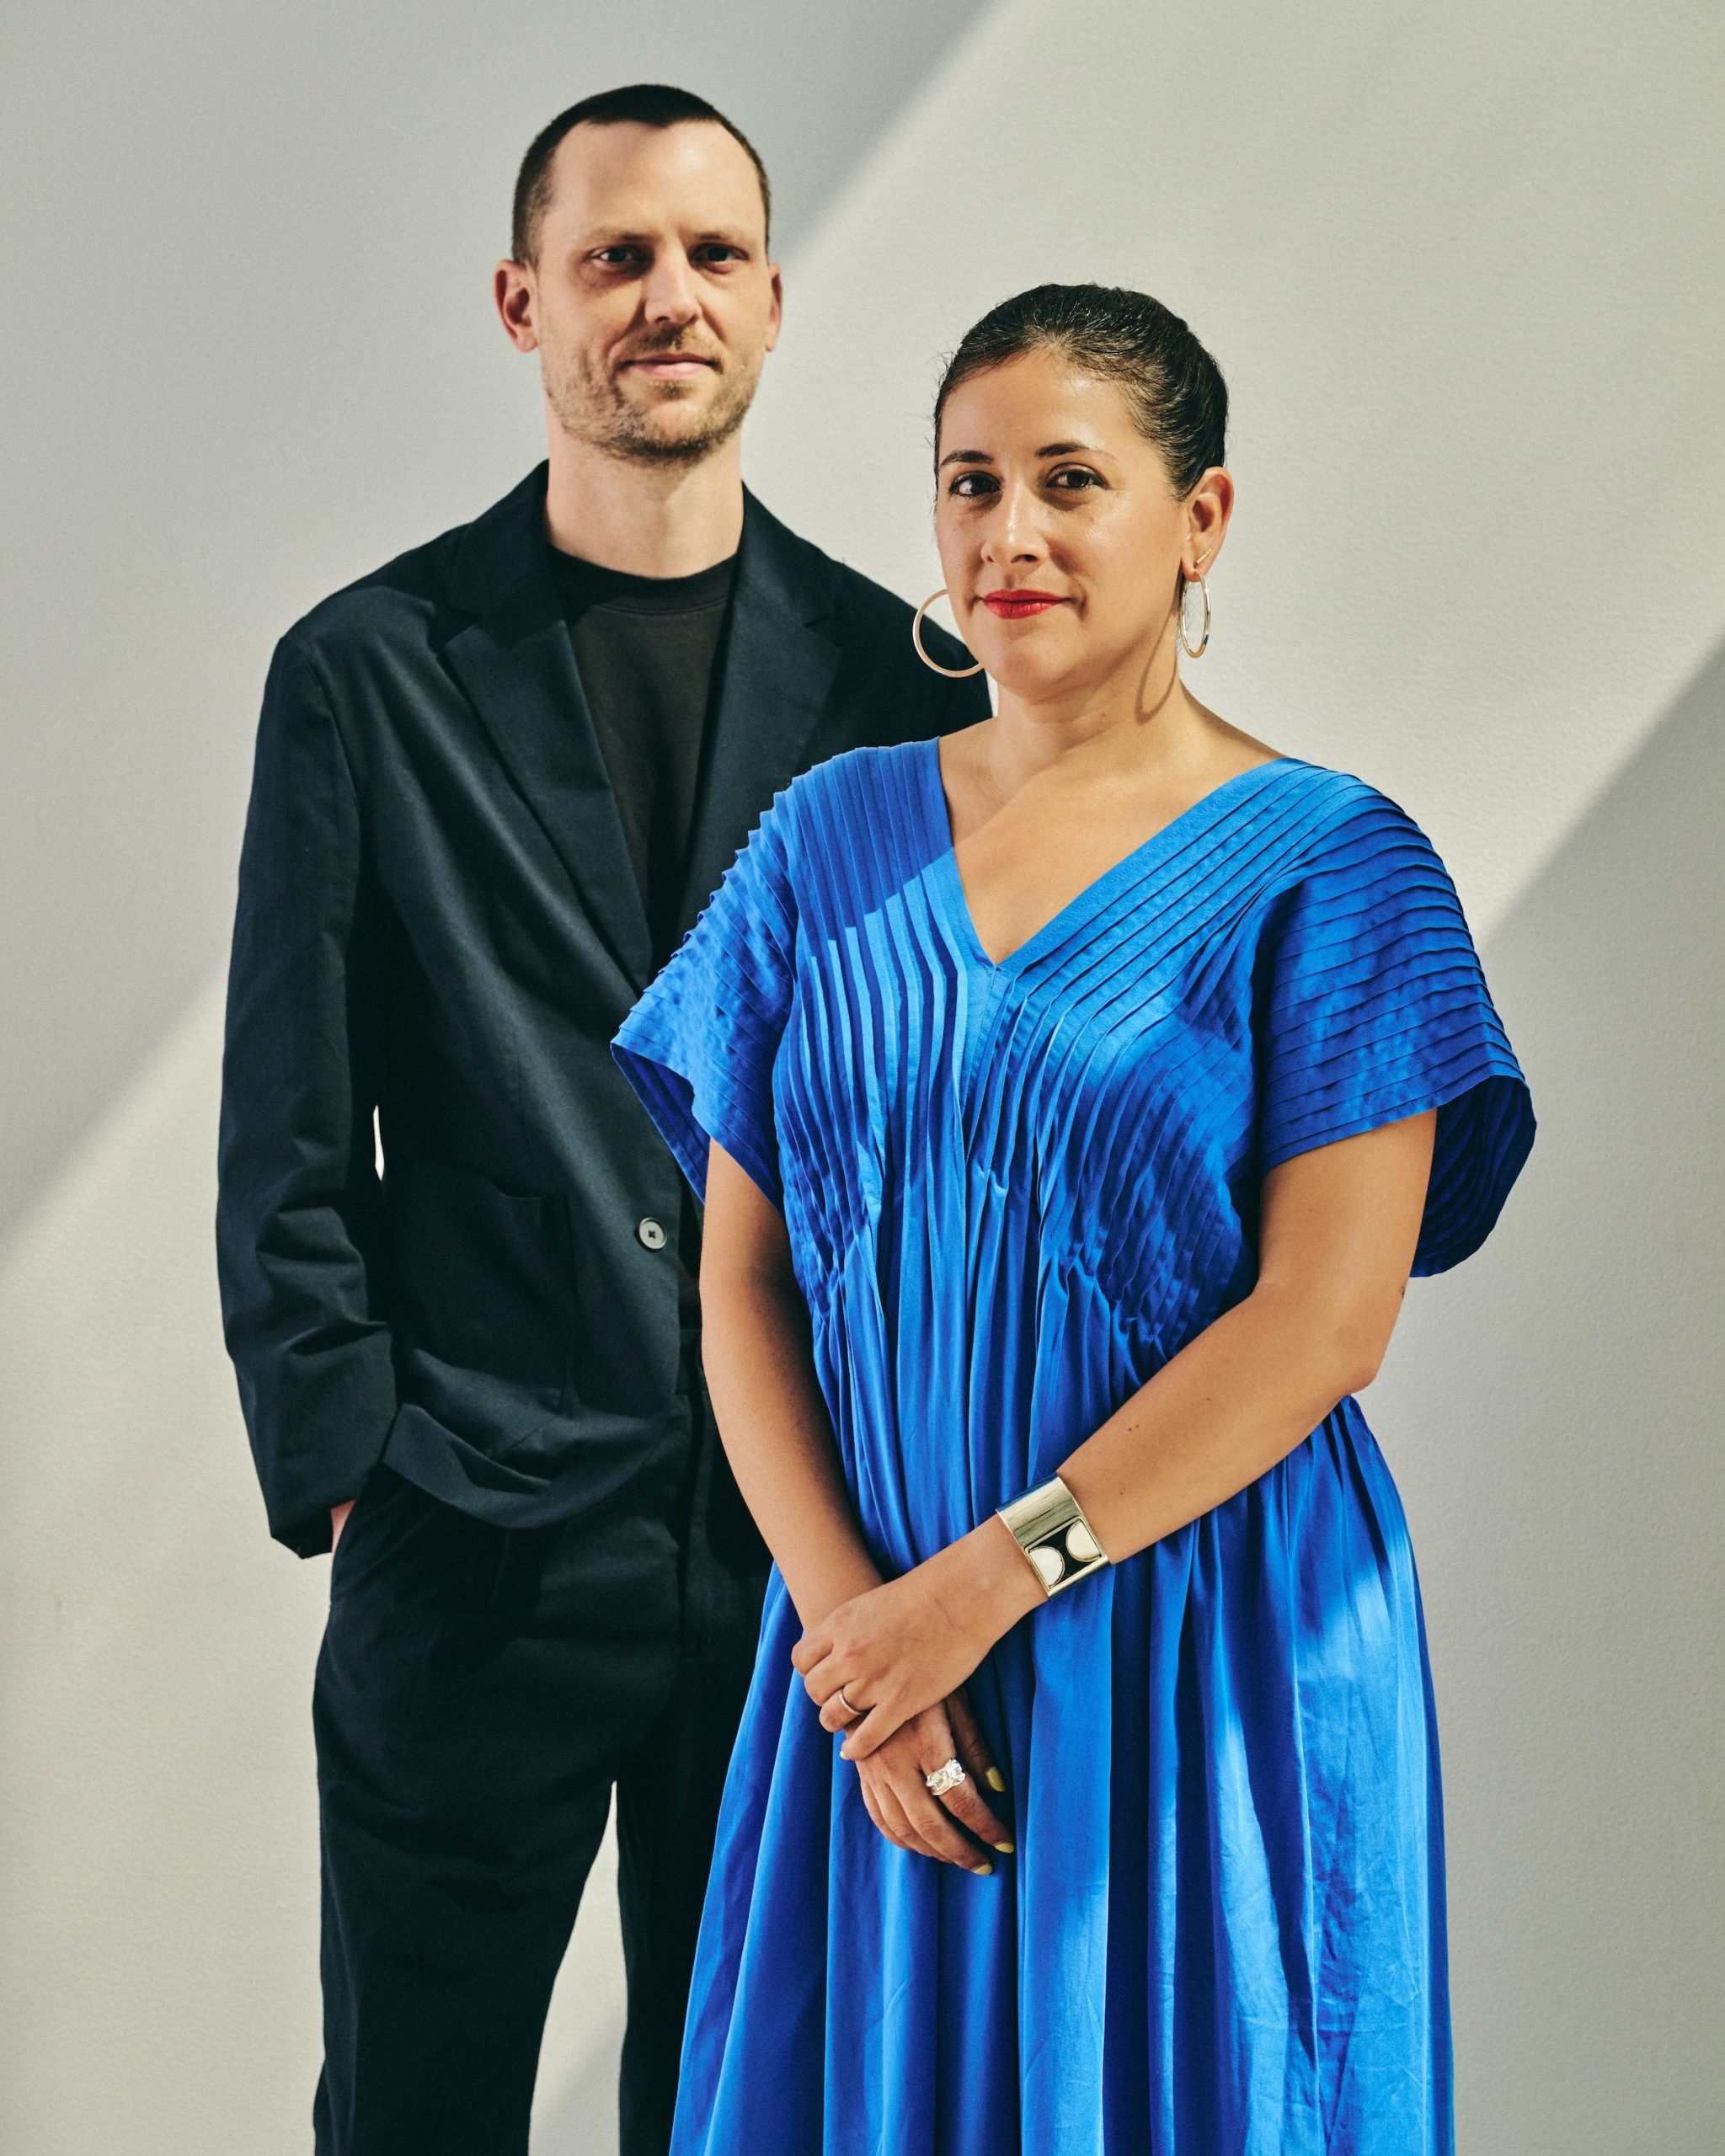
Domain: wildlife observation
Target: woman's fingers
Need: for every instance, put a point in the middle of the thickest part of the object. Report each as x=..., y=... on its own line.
x=868, y=1734
x=931, y=1820
x=819, y=1671
x=898, y=1828
x=871, y=1805
x=895, y=1790
x=925, y=1746
x=836, y=1714
x=967, y=1802
x=970, y=1743
x=823, y=1680
x=813, y=1647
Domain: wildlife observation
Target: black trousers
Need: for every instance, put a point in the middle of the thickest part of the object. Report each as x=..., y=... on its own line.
x=479, y=1694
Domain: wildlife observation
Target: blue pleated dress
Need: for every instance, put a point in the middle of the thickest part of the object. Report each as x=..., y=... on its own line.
x=1012, y=1192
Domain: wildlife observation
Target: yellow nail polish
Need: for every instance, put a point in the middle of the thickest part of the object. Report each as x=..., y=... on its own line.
x=984, y=1871
x=997, y=1780
x=1005, y=1847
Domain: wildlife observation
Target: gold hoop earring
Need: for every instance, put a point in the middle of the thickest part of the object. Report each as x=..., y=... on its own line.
x=952, y=673
x=1186, y=584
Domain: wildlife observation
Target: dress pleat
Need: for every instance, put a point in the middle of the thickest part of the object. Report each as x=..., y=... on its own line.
x=1012, y=1192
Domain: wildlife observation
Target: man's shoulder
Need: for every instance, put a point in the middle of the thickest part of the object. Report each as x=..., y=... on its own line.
x=403, y=600
x=419, y=597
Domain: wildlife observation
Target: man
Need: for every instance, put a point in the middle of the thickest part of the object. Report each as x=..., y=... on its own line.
x=495, y=783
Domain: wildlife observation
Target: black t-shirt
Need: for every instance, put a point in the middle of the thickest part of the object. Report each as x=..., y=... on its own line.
x=647, y=651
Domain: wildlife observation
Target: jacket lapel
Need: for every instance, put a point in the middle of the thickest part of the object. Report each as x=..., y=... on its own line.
x=514, y=661
x=776, y=672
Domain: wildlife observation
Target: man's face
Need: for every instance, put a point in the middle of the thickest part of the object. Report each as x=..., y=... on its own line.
x=652, y=302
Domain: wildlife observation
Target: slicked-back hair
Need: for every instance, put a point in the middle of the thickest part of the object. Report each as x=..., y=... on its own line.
x=648, y=104
x=1179, y=401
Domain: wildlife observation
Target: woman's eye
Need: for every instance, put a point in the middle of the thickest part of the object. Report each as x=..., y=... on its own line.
x=969, y=485
x=1074, y=478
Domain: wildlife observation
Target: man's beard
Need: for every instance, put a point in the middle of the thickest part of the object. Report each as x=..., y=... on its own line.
x=591, y=408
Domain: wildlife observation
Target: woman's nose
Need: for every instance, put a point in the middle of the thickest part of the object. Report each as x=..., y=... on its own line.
x=1015, y=531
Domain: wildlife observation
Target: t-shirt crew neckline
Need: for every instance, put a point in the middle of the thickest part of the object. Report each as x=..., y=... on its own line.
x=589, y=585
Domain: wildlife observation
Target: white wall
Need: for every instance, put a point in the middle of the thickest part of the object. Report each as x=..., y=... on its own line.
x=1554, y=1415
x=1461, y=268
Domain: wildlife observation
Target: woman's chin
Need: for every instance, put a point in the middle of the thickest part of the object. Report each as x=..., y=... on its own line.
x=1034, y=673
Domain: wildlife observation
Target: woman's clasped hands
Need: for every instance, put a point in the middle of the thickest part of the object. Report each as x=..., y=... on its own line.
x=888, y=1666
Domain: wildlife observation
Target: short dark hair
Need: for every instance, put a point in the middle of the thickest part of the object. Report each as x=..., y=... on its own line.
x=1179, y=398
x=648, y=104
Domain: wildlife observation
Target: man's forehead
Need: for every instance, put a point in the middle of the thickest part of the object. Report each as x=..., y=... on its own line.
x=626, y=177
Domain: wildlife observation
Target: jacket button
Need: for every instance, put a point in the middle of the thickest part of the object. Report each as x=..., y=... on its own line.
x=650, y=1233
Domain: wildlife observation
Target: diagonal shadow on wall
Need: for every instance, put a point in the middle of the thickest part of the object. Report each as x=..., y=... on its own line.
x=163, y=523
x=1569, y=1533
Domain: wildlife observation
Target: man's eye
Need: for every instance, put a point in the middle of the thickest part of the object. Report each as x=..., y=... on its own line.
x=619, y=258
x=721, y=255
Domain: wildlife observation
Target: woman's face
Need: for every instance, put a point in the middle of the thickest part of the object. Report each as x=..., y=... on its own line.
x=1060, y=535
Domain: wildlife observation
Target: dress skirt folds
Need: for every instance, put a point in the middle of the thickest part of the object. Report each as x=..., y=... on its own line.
x=1012, y=1192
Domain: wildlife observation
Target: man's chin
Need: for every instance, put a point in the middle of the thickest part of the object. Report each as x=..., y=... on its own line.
x=667, y=446
x=666, y=423
x=680, y=430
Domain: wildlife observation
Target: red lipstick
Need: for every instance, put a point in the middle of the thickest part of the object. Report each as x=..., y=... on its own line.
x=1019, y=605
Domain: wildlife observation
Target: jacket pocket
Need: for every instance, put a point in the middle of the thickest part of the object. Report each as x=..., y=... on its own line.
x=482, y=1299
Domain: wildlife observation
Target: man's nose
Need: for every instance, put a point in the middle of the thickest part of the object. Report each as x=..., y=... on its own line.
x=668, y=296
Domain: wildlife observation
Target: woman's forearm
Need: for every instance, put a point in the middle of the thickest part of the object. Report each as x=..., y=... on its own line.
x=1340, y=1231
x=1223, y=1411
x=1240, y=1397
x=778, y=1437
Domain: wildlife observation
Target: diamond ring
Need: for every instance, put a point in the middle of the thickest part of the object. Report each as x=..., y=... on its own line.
x=945, y=1778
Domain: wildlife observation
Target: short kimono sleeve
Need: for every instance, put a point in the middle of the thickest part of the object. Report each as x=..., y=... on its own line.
x=1372, y=1006
x=699, y=1046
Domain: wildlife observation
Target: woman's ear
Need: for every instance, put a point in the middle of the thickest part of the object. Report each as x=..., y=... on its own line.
x=1209, y=507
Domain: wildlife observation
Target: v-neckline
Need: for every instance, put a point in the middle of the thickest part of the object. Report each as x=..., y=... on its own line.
x=1095, y=894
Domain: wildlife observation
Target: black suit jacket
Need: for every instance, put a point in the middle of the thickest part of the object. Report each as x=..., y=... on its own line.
x=438, y=919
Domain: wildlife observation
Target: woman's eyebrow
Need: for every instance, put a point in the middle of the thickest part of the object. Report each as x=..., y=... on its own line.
x=1047, y=449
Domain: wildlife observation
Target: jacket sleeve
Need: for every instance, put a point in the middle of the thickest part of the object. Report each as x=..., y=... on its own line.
x=298, y=1212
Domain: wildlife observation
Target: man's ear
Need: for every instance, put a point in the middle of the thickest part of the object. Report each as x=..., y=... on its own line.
x=776, y=322
x=515, y=292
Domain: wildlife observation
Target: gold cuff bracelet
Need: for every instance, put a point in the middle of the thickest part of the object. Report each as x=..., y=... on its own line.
x=1048, y=1524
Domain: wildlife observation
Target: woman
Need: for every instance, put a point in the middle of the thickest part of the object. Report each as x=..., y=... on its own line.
x=1072, y=1098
